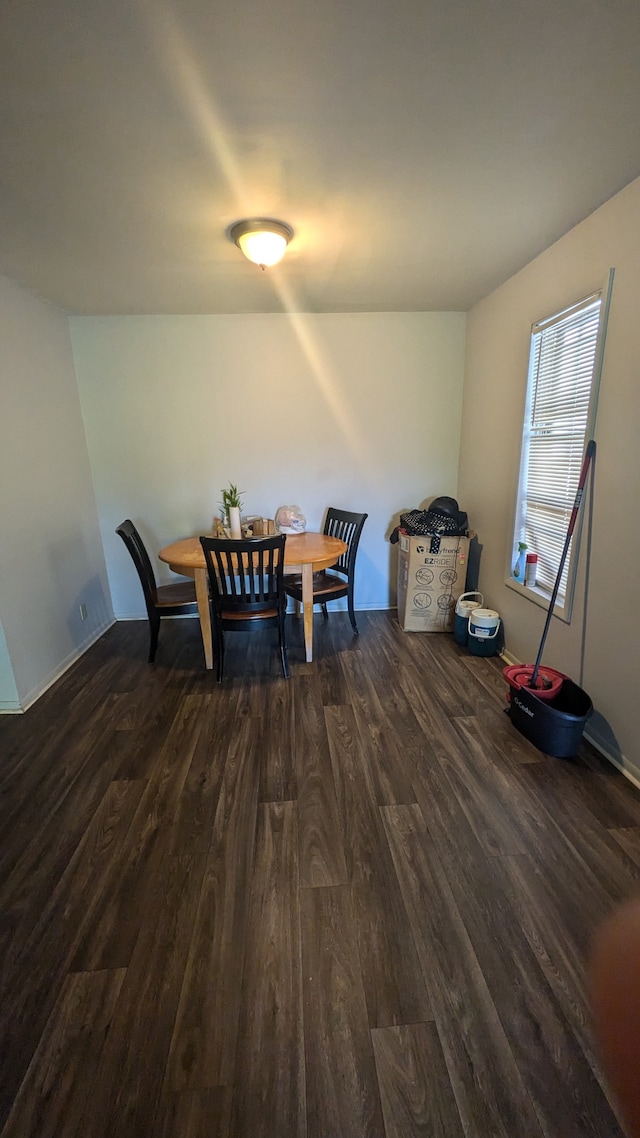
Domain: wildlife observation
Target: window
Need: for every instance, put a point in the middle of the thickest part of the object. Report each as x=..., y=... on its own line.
x=564, y=368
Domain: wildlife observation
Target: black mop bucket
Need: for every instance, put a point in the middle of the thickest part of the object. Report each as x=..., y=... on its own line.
x=554, y=726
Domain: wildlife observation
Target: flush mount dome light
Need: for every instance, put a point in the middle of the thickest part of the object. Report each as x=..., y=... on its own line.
x=261, y=239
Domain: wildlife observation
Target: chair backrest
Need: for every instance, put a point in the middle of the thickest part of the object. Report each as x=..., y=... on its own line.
x=245, y=575
x=348, y=527
x=140, y=557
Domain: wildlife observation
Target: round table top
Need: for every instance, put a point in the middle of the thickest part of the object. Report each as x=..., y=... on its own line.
x=300, y=549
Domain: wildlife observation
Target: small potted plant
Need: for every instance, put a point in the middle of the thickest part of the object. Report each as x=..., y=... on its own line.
x=231, y=505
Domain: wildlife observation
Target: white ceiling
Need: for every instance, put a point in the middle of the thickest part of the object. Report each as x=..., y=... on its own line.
x=422, y=150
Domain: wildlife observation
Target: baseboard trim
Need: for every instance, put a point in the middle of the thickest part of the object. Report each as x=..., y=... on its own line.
x=617, y=762
x=35, y=693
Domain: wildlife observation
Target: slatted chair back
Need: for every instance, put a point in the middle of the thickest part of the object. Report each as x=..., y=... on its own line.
x=246, y=587
x=141, y=560
x=348, y=527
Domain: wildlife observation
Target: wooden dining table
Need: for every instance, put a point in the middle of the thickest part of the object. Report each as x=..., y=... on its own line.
x=304, y=553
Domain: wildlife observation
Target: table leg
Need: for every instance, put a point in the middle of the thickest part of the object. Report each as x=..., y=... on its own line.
x=204, y=612
x=307, y=610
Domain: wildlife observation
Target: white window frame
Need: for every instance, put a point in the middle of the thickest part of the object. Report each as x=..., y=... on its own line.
x=565, y=364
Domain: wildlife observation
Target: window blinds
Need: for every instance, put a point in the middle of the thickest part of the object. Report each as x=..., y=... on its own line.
x=563, y=354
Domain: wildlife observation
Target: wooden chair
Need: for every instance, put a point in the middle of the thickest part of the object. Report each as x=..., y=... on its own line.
x=246, y=588
x=176, y=599
x=337, y=581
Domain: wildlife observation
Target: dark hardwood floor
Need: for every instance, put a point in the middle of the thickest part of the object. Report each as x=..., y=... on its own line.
x=354, y=904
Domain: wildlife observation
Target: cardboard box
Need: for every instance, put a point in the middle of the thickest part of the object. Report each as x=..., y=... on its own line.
x=261, y=527
x=429, y=584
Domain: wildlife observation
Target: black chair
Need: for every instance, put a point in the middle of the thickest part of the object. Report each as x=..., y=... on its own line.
x=176, y=599
x=330, y=584
x=246, y=589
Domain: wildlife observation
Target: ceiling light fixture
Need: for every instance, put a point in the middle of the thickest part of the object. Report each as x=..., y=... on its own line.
x=261, y=239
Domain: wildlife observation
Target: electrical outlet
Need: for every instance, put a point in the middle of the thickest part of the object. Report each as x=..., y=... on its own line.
x=83, y=612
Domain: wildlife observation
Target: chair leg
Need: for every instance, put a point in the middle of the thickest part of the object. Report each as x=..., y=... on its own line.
x=283, y=647
x=154, y=631
x=352, y=615
x=285, y=662
x=324, y=610
x=219, y=653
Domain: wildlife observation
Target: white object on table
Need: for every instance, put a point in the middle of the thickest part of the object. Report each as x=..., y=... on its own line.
x=234, y=521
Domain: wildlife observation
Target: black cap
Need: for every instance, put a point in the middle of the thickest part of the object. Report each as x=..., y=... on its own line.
x=447, y=506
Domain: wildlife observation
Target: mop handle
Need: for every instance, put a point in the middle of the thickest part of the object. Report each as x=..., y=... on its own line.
x=588, y=455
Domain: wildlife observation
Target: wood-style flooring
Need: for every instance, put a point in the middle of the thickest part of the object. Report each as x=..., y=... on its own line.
x=354, y=904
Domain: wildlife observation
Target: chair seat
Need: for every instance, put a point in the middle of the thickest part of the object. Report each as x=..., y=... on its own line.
x=264, y=614
x=177, y=593
x=296, y=578
x=324, y=584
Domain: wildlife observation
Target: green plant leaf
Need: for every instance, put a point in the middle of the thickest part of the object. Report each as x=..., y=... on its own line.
x=231, y=497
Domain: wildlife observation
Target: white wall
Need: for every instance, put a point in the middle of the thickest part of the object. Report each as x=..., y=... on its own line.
x=496, y=370
x=9, y=699
x=357, y=411
x=51, y=556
